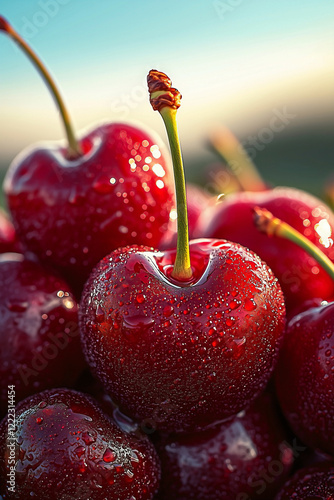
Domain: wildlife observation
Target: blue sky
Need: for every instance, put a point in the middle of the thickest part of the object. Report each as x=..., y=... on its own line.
x=233, y=61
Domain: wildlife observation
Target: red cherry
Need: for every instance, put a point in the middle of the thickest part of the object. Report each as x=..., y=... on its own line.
x=73, y=205
x=67, y=448
x=246, y=457
x=181, y=355
x=305, y=377
x=178, y=345
x=73, y=212
x=299, y=274
x=313, y=483
x=39, y=337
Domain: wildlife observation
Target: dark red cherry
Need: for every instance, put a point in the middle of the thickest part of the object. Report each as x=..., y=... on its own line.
x=73, y=203
x=305, y=377
x=71, y=213
x=180, y=355
x=64, y=447
x=39, y=337
x=246, y=458
x=300, y=276
x=313, y=483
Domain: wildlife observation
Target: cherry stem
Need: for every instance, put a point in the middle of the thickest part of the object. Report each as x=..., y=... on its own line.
x=225, y=144
x=74, y=149
x=166, y=100
x=267, y=223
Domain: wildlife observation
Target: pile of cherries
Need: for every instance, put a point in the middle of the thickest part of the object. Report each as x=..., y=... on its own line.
x=144, y=366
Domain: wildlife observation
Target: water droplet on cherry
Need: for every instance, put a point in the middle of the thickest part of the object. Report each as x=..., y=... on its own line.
x=140, y=298
x=249, y=304
x=109, y=456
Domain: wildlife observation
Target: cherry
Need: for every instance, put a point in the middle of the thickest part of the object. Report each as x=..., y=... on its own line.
x=66, y=447
x=184, y=337
x=72, y=205
x=312, y=483
x=245, y=458
x=305, y=373
x=300, y=277
x=305, y=376
x=39, y=337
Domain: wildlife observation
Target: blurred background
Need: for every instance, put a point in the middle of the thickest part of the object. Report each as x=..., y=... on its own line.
x=264, y=69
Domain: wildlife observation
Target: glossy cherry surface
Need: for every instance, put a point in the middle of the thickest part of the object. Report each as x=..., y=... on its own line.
x=66, y=448
x=39, y=337
x=313, y=483
x=305, y=377
x=73, y=212
x=180, y=355
x=299, y=274
x=247, y=457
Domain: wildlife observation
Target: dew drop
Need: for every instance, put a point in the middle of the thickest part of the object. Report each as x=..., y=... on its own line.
x=79, y=451
x=134, y=457
x=137, y=322
x=88, y=438
x=109, y=456
x=229, y=321
x=129, y=476
x=140, y=298
x=168, y=311
x=99, y=314
x=250, y=304
x=39, y=420
x=239, y=342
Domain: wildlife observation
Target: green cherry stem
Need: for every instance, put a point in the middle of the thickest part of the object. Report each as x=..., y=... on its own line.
x=227, y=147
x=166, y=100
x=267, y=223
x=74, y=149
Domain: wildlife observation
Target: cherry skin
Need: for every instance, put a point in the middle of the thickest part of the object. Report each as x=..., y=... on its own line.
x=305, y=377
x=300, y=276
x=312, y=483
x=39, y=337
x=67, y=448
x=245, y=458
x=72, y=212
x=181, y=355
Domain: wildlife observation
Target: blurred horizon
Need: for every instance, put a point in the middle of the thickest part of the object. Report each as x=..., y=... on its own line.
x=242, y=64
